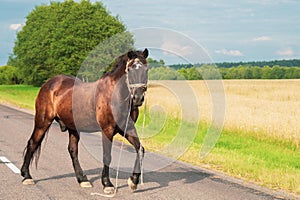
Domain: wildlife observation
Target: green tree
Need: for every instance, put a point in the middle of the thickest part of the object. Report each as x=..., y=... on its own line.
x=256, y=72
x=266, y=72
x=292, y=73
x=9, y=75
x=58, y=37
x=162, y=62
x=154, y=63
x=183, y=72
x=164, y=73
x=277, y=72
x=209, y=72
x=193, y=74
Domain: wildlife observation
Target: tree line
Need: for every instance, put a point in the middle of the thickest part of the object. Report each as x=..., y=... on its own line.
x=207, y=72
x=10, y=74
x=286, y=63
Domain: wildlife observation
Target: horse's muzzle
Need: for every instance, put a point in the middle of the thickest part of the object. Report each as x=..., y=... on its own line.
x=138, y=99
x=138, y=93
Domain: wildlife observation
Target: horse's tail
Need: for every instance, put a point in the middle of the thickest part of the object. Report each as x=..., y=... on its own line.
x=37, y=151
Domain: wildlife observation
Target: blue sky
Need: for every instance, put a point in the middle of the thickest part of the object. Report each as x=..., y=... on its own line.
x=229, y=30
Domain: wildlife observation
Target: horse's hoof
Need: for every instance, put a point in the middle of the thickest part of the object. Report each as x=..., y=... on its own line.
x=28, y=181
x=86, y=184
x=131, y=185
x=109, y=190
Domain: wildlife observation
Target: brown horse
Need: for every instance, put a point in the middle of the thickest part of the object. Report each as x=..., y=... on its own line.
x=102, y=105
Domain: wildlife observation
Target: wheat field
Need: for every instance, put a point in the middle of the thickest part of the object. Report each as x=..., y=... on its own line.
x=270, y=107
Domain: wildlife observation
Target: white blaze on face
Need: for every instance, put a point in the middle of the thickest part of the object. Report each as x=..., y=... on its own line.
x=133, y=62
x=137, y=63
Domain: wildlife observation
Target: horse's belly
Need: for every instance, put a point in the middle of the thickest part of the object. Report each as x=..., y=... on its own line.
x=80, y=118
x=87, y=126
x=85, y=120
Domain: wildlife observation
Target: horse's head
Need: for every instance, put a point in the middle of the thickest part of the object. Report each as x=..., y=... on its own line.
x=137, y=72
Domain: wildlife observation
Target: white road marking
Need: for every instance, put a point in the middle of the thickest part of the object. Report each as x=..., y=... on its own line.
x=10, y=165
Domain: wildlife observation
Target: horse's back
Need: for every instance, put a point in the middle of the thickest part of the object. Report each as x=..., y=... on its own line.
x=54, y=88
x=60, y=84
x=50, y=96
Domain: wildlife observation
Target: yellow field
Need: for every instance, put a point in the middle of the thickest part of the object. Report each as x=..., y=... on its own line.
x=269, y=107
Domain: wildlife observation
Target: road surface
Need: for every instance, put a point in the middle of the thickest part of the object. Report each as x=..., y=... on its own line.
x=163, y=179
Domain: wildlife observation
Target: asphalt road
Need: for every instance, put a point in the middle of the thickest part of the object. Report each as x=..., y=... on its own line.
x=163, y=179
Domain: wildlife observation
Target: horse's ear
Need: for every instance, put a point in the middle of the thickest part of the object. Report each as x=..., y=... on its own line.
x=146, y=53
x=130, y=55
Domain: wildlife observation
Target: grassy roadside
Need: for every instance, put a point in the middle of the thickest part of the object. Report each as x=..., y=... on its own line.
x=271, y=162
x=20, y=95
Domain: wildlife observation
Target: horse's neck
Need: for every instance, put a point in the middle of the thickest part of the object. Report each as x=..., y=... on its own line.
x=119, y=71
x=122, y=87
x=119, y=75
x=115, y=84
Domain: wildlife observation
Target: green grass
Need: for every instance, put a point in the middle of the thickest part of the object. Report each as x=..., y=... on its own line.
x=255, y=157
x=19, y=95
x=271, y=162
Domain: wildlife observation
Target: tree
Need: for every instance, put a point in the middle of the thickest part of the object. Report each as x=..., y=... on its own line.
x=154, y=63
x=193, y=74
x=9, y=75
x=183, y=72
x=277, y=72
x=256, y=71
x=292, y=73
x=209, y=72
x=164, y=73
x=58, y=37
x=162, y=62
x=266, y=72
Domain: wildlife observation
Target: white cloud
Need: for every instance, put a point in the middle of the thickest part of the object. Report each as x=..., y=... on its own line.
x=229, y=52
x=285, y=52
x=15, y=26
x=262, y=38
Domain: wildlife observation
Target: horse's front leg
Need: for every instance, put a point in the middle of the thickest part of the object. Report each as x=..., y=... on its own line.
x=132, y=137
x=108, y=187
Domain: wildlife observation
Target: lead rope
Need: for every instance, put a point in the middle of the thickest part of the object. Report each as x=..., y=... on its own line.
x=142, y=134
x=119, y=161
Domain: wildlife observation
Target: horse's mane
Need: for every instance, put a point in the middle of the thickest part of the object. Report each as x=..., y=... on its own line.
x=116, y=65
x=119, y=62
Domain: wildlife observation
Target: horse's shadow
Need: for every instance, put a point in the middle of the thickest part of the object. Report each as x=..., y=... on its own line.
x=161, y=178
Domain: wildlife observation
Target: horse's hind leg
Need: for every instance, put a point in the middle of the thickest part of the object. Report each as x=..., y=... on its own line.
x=33, y=149
x=73, y=150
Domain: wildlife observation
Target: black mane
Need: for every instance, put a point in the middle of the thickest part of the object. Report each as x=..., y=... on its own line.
x=120, y=62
